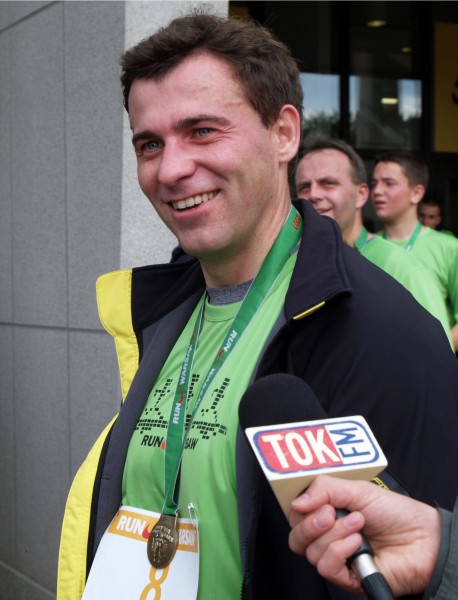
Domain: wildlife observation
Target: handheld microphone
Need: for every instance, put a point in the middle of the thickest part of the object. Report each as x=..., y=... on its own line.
x=294, y=441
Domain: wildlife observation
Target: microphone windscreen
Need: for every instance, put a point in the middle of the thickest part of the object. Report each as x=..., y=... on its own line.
x=276, y=399
x=294, y=441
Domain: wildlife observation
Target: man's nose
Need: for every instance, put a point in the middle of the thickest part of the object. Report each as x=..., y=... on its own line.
x=176, y=162
x=376, y=189
x=315, y=193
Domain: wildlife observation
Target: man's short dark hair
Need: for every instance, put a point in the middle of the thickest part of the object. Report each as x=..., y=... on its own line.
x=262, y=64
x=412, y=165
x=317, y=143
x=429, y=201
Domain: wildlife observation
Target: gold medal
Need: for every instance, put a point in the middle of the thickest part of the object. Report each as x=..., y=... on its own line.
x=163, y=541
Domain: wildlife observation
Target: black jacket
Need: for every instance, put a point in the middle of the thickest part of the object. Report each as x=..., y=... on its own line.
x=362, y=343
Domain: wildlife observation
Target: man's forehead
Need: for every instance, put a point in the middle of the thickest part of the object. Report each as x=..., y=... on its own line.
x=193, y=69
x=199, y=85
x=389, y=168
x=323, y=168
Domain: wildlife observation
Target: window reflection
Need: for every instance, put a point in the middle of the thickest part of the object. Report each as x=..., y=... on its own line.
x=321, y=103
x=385, y=113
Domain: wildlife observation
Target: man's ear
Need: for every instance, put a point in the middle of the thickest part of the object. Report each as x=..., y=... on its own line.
x=287, y=129
x=363, y=195
x=418, y=193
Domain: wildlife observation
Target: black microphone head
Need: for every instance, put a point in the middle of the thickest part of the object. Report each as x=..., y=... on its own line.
x=279, y=398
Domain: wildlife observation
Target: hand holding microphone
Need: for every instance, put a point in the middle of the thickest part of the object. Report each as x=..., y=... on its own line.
x=294, y=442
x=404, y=533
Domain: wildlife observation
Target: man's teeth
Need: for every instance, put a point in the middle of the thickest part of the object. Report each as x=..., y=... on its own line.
x=193, y=201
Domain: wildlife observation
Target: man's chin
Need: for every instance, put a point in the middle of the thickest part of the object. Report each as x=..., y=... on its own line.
x=197, y=251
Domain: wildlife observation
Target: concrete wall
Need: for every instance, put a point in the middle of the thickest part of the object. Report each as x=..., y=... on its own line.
x=70, y=209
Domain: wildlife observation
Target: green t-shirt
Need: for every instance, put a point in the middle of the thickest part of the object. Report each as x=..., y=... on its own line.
x=208, y=468
x=439, y=253
x=421, y=282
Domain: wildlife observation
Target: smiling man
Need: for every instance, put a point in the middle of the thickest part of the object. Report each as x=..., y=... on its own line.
x=169, y=502
x=199, y=170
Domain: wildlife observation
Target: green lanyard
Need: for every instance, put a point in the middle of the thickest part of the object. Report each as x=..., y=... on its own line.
x=259, y=289
x=163, y=538
x=413, y=238
x=362, y=240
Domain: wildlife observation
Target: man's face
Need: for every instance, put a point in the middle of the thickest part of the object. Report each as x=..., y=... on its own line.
x=391, y=193
x=429, y=216
x=324, y=178
x=206, y=162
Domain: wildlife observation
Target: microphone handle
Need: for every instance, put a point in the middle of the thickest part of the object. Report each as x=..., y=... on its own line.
x=362, y=562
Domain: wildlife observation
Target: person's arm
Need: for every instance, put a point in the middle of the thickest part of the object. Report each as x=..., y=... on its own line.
x=404, y=533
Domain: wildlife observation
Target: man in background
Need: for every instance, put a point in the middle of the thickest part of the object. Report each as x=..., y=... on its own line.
x=430, y=213
x=332, y=177
x=399, y=183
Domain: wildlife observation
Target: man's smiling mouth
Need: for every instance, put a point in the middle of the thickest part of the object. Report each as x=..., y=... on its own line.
x=194, y=200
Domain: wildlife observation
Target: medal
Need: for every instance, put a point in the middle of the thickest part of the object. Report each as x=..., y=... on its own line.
x=163, y=541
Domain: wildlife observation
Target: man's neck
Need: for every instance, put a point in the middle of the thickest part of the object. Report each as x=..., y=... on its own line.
x=352, y=234
x=401, y=229
x=223, y=273
x=223, y=269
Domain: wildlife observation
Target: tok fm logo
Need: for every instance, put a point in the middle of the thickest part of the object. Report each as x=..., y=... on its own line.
x=309, y=447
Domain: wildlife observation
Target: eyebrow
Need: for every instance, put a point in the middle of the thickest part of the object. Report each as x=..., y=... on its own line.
x=384, y=179
x=193, y=121
x=302, y=182
x=328, y=179
x=142, y=135
x=181, y=125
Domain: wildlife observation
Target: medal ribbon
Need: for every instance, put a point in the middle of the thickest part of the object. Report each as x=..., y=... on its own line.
x=413, y=238
x=176, y=434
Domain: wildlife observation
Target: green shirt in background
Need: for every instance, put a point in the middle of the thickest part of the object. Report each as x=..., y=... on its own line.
x=421, y=282
x=439, y=253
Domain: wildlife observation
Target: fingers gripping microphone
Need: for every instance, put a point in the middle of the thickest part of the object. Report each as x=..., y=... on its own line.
x=294, y=441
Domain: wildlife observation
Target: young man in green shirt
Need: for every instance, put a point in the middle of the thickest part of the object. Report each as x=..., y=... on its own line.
x=399, y=183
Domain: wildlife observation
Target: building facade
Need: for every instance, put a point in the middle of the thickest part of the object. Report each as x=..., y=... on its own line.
x=70, y=210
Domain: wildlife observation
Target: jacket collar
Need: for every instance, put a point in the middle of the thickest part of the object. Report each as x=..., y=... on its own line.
x=318, y=276
x=320, y=272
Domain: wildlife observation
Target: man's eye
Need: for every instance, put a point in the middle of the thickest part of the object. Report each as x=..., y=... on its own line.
x=203, y=131
x=151, y=145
